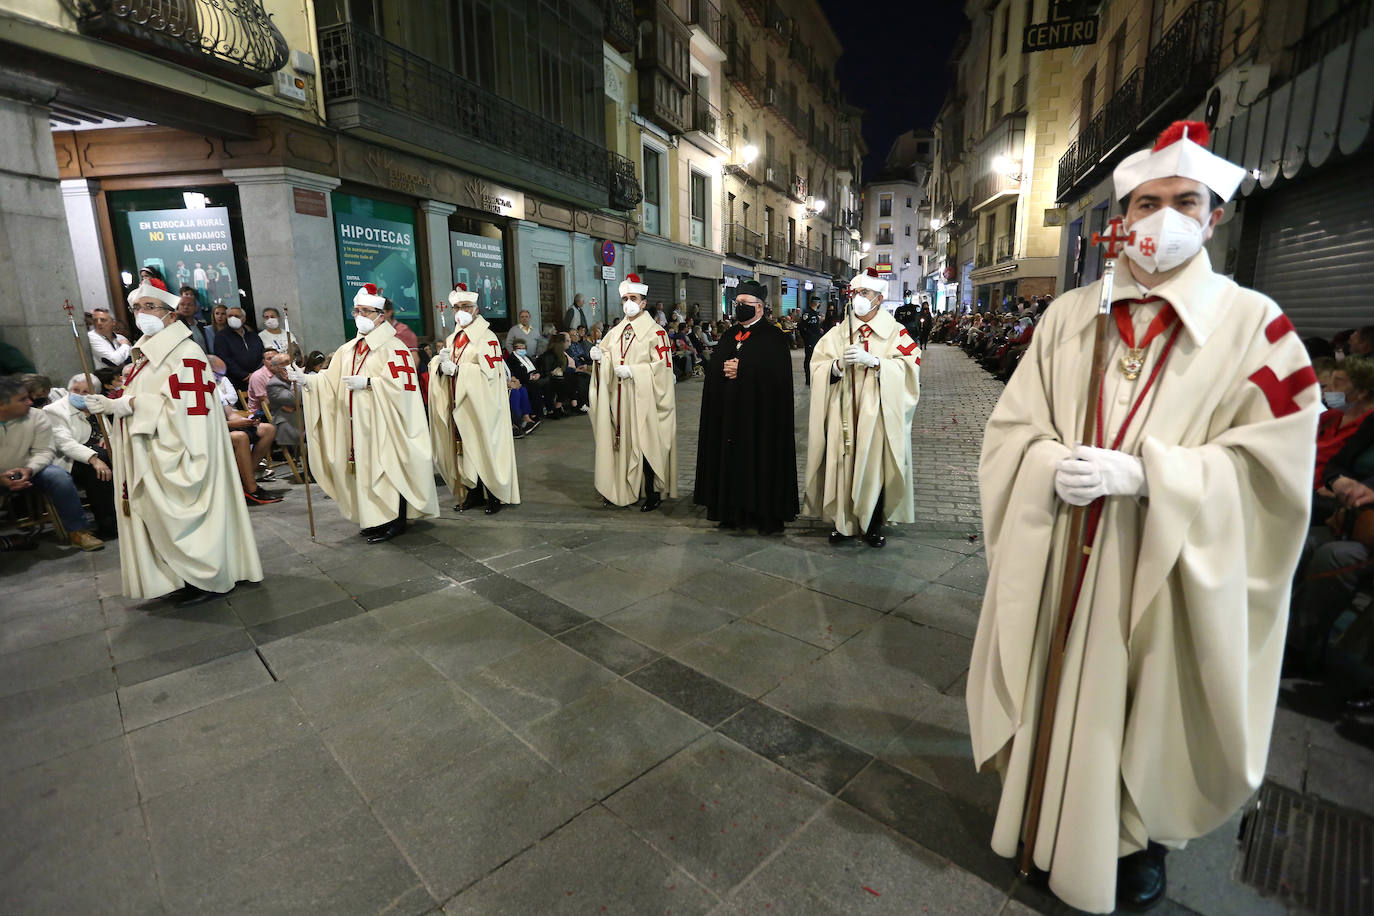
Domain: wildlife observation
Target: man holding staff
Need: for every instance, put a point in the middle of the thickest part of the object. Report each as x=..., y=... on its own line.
x=1198, y=480
x=865, y=382
x=469, y=412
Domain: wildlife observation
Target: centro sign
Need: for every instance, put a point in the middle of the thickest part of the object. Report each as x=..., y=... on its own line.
x=1070, y=25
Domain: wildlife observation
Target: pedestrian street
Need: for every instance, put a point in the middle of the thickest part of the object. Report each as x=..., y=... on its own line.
x=562, y=708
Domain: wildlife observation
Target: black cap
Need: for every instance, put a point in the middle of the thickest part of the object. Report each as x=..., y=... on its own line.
x=752, y=288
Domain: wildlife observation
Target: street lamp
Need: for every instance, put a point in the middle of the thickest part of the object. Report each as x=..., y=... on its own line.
x=749, y=154
x=1007, y=167
x=936, y=223
x=814, y=207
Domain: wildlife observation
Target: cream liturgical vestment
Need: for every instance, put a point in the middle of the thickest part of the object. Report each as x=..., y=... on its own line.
x=470, y=416
x=1172, y=663
x=634, y=420
x=849, y=465
x=186, y=522
x=371, y=448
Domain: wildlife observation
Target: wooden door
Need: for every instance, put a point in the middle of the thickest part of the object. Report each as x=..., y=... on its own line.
x=550, y=297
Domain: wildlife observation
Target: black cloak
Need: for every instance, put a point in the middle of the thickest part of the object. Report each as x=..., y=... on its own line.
x=746, y=447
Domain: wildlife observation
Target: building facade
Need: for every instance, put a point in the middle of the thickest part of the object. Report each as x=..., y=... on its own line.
x=896, y=217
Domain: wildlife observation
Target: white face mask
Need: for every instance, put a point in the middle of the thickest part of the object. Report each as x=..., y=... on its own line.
x=271, y=324
x=1164, y=240
x=631, y=308
x=464, y=318
x=365, y=324
x=235, y=322
x=148, y=324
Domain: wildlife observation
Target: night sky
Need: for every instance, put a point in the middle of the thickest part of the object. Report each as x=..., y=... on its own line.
x=898, y=84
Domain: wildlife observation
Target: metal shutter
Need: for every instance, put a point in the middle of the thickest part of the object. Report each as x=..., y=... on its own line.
x=1316, y=242
x=662, y=288
x=703, y=291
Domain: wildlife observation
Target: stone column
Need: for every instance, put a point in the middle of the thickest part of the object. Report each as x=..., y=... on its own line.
x=292, y=258
x=35, y=246
x=440, y=259
x=78, y=195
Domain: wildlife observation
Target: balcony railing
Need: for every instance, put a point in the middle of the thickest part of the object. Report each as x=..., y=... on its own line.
x=1006, y=248
x=746, y=77
x=776, y=174
x=743, y=242
x=754, y=10
x=1336, y=29
x=983, y=258
x=619, y=24
x=626, y=193
x=1176, y=75
x=357, y=66
x=706, y=16
x=234, y=40
x=1006, y=139
x=776, y=248
x=706, y=119
x=839, y=267
x=884, y=238
x=779, y=24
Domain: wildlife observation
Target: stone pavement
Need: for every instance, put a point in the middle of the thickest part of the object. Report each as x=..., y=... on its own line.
x=565, y=709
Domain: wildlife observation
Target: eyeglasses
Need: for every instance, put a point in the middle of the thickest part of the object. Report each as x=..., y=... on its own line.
x=362, y=311
x=150, y=309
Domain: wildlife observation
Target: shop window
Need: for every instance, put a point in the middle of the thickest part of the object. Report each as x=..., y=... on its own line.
x=376, y=242
x=477, y=249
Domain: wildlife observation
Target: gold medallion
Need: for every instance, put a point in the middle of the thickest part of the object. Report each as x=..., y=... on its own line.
x=1132, y=363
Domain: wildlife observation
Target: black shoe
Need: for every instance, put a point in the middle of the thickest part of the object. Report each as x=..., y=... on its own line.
x=651, y=502
x=386, y=532
x=874, y=539
x=493, y=505
x=261, y=497
x=1140, y=880
x=517, y=432
x=475, y=498
x=837, y=538
x=108, y=532
x=190, y=596
x=531, y=426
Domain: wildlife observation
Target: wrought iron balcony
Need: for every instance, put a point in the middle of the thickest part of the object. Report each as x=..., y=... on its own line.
x=983, y=257
x=371, y=83
x=234, y=40
x=1336, y=29
x=705, y=15
x=776, y=249
x=776, y=174
x=619, y=24
x=743, y=242
x=779, y=24
x=741, y=71
x=1006, y=248
x=753, y=10
x=884, y=237
x=1176, y=75
x=626, y=193
x=707, y=121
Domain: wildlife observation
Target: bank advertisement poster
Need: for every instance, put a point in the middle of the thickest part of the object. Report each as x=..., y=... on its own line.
x=376, y=242
x=478, y=261
x=188, y=248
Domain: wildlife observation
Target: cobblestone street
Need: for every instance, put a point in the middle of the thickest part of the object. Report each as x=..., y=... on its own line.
x=561, y=709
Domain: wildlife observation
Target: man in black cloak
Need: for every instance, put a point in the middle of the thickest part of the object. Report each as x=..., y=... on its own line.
x=746, y=449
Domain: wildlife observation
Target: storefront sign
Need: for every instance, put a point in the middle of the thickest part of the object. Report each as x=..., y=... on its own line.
x=1070, y=24
x=607, y=272
x=367, y=164
x=483, y=195
x=376, y=243
x=189, y=248
x=480, y=264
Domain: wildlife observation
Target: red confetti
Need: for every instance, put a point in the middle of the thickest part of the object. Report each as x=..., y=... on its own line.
x=872, y=891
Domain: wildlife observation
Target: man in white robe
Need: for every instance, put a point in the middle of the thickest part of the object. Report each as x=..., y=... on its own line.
x=365, y=421
x=183, y=523
x=1199, y=483
x=469, y=412
x=634, y=406
x=858, y=468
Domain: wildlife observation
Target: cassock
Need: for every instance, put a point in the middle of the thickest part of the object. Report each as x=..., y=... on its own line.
x=186, y=522
x=370, y=449
x=634, y=420
x=849, y=466
x=746, y=447
x=1172, y=663
x=470, y=416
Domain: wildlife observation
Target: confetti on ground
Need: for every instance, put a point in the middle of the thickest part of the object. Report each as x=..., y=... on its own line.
x=872, y=891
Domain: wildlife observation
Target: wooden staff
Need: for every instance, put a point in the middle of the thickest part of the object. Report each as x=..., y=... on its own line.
x=300, y=424
x=851, y=428
x=453, y=395
x=1075, y=558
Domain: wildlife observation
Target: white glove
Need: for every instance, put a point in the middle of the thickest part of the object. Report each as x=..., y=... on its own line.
x=297, y=376
x=355, y=382
x=1094, y=472
x=595, y=353
x=446, y=363
x=115, y=407
x=857, y=354
x=623, y=372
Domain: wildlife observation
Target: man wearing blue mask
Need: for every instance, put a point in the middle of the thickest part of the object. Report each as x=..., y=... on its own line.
x=1197, y=489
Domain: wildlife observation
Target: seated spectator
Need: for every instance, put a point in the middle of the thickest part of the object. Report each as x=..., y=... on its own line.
x=684, y=357
x=252, y=441
x=1360, y=342
x=26, y=461
x=535, y=383
x=109, y=346
x=257, y=382
x=281, y=401
x=569, y=387
x=273, y=333
x=40, y=389
x=188, y=311
x=240, y=349
x=1349, y=399
x=150, y=274
x=81, y=451
x=219, y=322
x=523, y=421
x=316, y=361
x=524, y=331
x=578, y=348
x=403, y=332
x=223, y=387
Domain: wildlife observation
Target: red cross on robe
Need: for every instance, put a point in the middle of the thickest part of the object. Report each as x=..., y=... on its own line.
x=199, y=386
x=404, y=367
